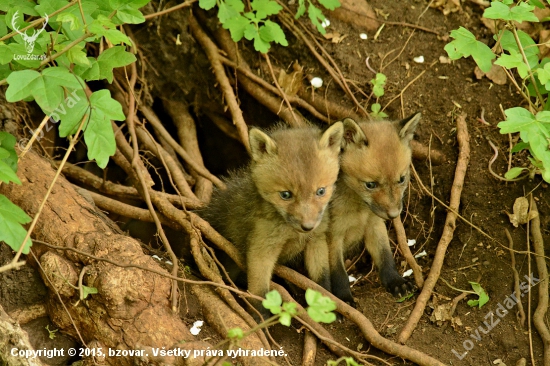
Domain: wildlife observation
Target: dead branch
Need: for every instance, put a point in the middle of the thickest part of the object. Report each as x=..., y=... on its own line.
x=87, y=178
x=213, y=56
x=310, y=349
x=157, y=124
x=366, y=327
x=172, y=165
x=406, y=251
x=333, y=70
x=187, y=134
x=292, y=98
x=521, y=313
x=450, y=224
x=542, y=306
x=222, y=318
x=274, y=104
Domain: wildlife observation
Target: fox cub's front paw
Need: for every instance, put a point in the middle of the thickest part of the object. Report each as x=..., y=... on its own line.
x=399, y=286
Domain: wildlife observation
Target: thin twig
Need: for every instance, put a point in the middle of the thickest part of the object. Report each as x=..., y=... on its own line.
x=542, y=306
x=520, y=313
x=169, y=10
x=450, y=224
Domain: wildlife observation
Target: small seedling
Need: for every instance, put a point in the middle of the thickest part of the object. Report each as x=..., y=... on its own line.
x=483, y=297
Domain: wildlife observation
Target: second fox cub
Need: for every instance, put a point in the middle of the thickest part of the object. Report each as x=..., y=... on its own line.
x=374, y=173
x=273, y=211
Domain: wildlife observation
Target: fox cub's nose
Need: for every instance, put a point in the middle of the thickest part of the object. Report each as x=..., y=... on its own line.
x=307, y=226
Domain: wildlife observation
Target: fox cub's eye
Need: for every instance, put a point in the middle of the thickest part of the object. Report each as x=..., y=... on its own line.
x=321, y=191
x=286, y=195
x=371, y=185
x=402, y=179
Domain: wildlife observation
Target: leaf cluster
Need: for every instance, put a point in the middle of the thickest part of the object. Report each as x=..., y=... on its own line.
x=254, y=24
x=60, y=90
x=516, y=51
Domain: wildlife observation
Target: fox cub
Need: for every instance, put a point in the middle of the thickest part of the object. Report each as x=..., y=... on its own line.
x=273, y=211
x=374, y=173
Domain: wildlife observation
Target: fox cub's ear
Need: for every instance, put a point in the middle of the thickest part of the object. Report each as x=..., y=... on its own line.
x=353, y=134
x=407, y=127
x=332, y=137
x=261, y=144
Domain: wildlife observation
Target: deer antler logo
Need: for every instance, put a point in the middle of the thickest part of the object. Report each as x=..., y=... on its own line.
x=29, y=40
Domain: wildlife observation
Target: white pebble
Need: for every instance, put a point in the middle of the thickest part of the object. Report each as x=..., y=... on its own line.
x=196, y=328
x=317, y=82
x=411, y=242
x=352, y=279
x=421, y=254
x=325, y=23
x=419, y=59
x=407, y=273
x=156, y=257
x=363, y=36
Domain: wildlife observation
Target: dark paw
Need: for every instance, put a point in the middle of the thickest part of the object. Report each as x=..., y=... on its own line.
x=400, y=287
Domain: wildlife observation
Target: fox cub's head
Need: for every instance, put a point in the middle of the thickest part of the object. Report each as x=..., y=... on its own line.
x=375, y=162
x=295, y=170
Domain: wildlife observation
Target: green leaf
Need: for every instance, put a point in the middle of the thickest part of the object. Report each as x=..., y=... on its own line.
x=330, y=4
x=465, y=45
x=543, y=74
x=235, y=333
x=273, y=301
x=88, y=291
x=7, y=143
x=11, y=229
x=78, y=57
x=71, y=112
x=316, y=16
x=7, y=174
x=514, y=59
x=378, y=84
x=520, y=146
x=5, y=54
x=508, y=43
x=519, y=13
x=70, y=18
x=3, y=27
x=517, y=118
x=99, y=136
x=264, y=8
x=514, y=172
x=226, y=12
x=483, y=297
x=285, y=319
x=539, y=4
x=207, y=4
x=236, y=27
x=112, y=58
x=130, y=15
x=320, y=307
x=272, y=32
x=301, y=9
x=88, y=73
x=260, y=45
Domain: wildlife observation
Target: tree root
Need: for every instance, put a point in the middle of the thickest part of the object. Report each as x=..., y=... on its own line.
x=542, y=306
x=310, y=349
x=406, y=251
x=520, y=313
x=366, y=327
x=212, y=53
x=450, y=224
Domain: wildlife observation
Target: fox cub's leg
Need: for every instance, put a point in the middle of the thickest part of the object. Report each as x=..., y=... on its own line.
x=339, y=280
x=378, y=246
x=316, y=261
x=260, y=261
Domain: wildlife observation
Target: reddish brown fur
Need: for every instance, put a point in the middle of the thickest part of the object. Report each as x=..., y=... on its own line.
x=376, y=152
